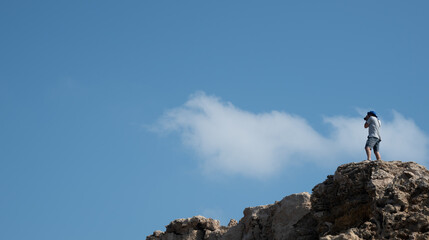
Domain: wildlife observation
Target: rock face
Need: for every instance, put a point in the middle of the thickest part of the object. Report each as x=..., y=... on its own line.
x=373, y=200
x=366, y=200
x=191, y=228
x=274, y=221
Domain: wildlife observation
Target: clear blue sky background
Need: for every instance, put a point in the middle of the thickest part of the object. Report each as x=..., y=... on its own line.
x=81, y=81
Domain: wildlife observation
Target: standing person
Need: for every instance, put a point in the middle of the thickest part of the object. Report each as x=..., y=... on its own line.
x=373, y=124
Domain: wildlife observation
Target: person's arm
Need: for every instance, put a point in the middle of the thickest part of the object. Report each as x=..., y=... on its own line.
x=371, y=120
x=366, y=125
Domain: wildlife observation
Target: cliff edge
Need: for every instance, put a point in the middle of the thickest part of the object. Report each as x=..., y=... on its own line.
x=365, y=200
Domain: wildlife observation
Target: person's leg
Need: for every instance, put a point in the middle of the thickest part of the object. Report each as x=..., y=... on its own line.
x=376, y=150
x=368, y=153
x=370, y=142
x=377, y=155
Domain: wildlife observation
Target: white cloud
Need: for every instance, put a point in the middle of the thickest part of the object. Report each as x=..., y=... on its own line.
x=404, y=140
x=233, y=141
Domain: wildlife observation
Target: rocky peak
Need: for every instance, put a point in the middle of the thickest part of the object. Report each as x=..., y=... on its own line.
x=374, y=200
x=365, y=200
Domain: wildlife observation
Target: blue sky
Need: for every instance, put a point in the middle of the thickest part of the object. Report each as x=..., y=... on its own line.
x=119, y=117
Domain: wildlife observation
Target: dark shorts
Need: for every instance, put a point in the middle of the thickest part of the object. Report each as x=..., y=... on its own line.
x=373, y=143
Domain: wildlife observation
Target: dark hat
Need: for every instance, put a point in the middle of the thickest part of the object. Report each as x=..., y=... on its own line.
x=372, y=113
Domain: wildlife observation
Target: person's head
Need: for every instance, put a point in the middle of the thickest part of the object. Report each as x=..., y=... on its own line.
x=370, y=114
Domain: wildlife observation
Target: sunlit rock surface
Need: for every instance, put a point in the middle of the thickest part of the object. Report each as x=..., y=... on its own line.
x=365, y=200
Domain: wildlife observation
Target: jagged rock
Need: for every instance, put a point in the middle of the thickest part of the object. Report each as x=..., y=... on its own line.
x=232, y=223
x=378, y=200
x=366, y=200
x=195, y=228
x=348, y=235
x=183, y=226
x=275, y=221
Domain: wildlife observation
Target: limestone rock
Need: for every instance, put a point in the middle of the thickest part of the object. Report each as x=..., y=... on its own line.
x=195, y=228
x=348, y=235
x=378, y=200
x=183, y=226
x=275, y=221
x=365, y=200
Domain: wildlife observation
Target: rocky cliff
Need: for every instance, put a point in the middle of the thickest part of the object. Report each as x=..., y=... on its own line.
x=365, y=200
